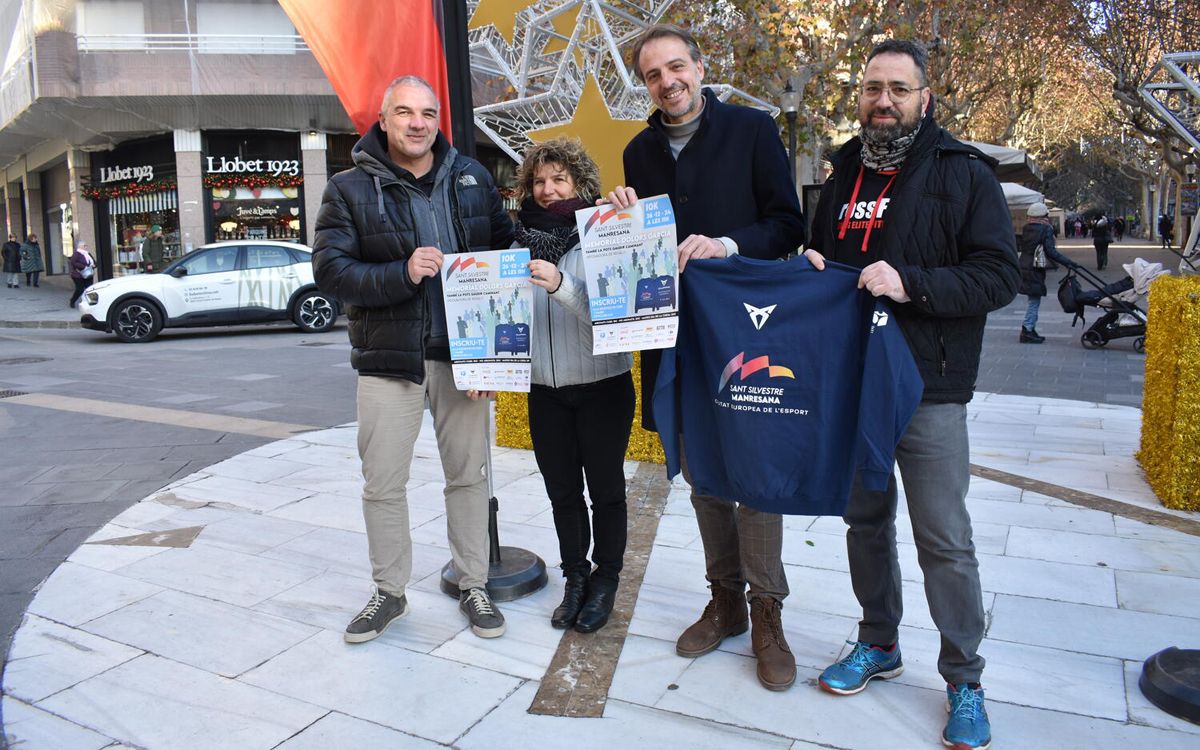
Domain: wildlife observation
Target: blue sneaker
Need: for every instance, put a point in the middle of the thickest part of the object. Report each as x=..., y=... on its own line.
x=968, y=727
x=864, y=663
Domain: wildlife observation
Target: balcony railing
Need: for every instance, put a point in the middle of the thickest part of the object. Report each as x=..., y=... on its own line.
x=209, y=44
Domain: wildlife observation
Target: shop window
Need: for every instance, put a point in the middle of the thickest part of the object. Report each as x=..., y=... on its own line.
x=131, y=222
x=240, y=212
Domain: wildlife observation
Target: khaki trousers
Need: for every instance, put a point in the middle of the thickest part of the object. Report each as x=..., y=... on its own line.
x=389, y=420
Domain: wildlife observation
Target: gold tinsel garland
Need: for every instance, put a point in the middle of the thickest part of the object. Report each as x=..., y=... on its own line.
x=1170, y=447
x=512, y=424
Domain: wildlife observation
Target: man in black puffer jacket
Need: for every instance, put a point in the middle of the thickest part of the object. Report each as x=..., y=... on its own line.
x=382, y=232
x=925, y=219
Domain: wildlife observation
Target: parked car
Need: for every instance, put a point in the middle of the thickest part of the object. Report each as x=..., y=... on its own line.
x=225, y=283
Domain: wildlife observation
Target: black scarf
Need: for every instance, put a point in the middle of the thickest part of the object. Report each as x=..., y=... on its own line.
x=551, y=231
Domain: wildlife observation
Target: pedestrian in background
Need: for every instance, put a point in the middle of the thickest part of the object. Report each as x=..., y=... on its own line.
x=32, y=264
x=1101, y=237
x=1038, y=252
x=1166, y=230
x=12, y=261
x=153, y=249
x=83, y=271
x=580, y=405
x=1119, y=228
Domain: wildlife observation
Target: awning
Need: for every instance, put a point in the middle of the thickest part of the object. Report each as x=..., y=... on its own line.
x=1015, y=164
x=163, y=200
x=1019, y=196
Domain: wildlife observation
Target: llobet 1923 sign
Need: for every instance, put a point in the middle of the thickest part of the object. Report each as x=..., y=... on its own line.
x=238, y=165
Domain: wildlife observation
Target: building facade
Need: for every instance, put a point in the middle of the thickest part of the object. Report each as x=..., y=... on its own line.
x=209, y=120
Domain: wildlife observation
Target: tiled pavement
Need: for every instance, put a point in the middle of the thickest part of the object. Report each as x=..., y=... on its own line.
x=234, y=641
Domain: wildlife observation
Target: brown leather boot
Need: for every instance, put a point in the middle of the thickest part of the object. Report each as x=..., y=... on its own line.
x=725, y=615
x=776, y=664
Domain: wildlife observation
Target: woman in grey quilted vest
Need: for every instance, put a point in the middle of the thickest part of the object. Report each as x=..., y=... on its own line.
x=580, y=405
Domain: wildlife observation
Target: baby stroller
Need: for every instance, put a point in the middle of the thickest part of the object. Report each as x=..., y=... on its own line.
x=1123, y=315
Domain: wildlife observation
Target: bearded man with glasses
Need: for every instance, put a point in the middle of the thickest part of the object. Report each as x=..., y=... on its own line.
x=924, y=217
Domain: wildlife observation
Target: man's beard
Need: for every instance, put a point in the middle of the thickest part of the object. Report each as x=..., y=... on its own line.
x=881, y=134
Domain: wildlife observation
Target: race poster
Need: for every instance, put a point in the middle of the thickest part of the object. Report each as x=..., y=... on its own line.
x=489, y=308
x=632, y=277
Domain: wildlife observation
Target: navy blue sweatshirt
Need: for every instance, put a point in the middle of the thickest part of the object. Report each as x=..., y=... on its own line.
x=783, y=381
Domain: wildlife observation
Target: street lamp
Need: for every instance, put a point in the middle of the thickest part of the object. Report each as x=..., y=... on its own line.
x=790, y=103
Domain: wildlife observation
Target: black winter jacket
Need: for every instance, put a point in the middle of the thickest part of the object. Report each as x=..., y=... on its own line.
x=949, y=235
x=368, y=227
x=12, y=257
x=731, y=180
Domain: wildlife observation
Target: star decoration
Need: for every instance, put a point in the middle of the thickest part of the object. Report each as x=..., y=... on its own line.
x=501, y=14
x=533, y=85
x=604, y=137
x=564, y=25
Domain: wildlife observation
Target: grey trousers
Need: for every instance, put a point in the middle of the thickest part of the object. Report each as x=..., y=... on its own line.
x=389, y=420
x=741, y=545
x=934, y=462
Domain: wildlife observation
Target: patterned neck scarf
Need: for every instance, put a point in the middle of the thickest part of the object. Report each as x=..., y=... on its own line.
x=882, y=153
x=548, y=232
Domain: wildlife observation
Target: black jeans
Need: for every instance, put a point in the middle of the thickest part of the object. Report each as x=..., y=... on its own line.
x=584, y=430
x=31, y=276
x=80, y=285
x=1101, y=255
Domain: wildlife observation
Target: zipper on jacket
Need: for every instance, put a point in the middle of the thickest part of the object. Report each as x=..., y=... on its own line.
x=941, y=351
x=550, y=341
x=414, y=191
x=456, y=212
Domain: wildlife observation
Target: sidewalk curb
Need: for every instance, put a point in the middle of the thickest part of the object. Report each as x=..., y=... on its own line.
x=39, y=324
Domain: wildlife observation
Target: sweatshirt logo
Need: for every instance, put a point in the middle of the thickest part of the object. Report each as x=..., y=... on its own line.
x=879, y=318
x=601, y=216
x=746, y=368
x=759, y=315
x=462, y=264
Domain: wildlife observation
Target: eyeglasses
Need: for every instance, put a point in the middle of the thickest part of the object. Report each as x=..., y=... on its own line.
x=896, y=93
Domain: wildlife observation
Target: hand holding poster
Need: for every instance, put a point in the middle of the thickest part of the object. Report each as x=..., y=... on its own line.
x=489, y=308
x=632, y=277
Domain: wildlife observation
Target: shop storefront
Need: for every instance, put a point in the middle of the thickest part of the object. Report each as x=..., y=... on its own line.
x=254, y=185
x=133, y=190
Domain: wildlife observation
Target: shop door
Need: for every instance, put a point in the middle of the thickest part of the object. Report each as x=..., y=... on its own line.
x=269, y=281
x=208, y=292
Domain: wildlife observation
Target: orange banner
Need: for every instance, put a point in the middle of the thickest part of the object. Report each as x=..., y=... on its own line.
x=362, y=45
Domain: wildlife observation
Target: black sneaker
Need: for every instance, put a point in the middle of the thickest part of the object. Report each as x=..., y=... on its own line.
x=381, y=610
x=486, y=621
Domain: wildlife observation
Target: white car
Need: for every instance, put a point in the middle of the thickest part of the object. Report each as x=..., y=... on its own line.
x=226, y=283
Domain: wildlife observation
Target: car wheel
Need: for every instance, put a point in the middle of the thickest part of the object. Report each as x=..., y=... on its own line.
x=136, y=321
x=315, y=313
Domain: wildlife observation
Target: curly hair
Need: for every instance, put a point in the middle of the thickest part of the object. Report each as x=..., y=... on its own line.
x=570, y=153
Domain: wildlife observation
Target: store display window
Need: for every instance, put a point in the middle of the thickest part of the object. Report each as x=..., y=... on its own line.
x=132, y=223
x=254, y=185
x=134, y=189
x=267, y=212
